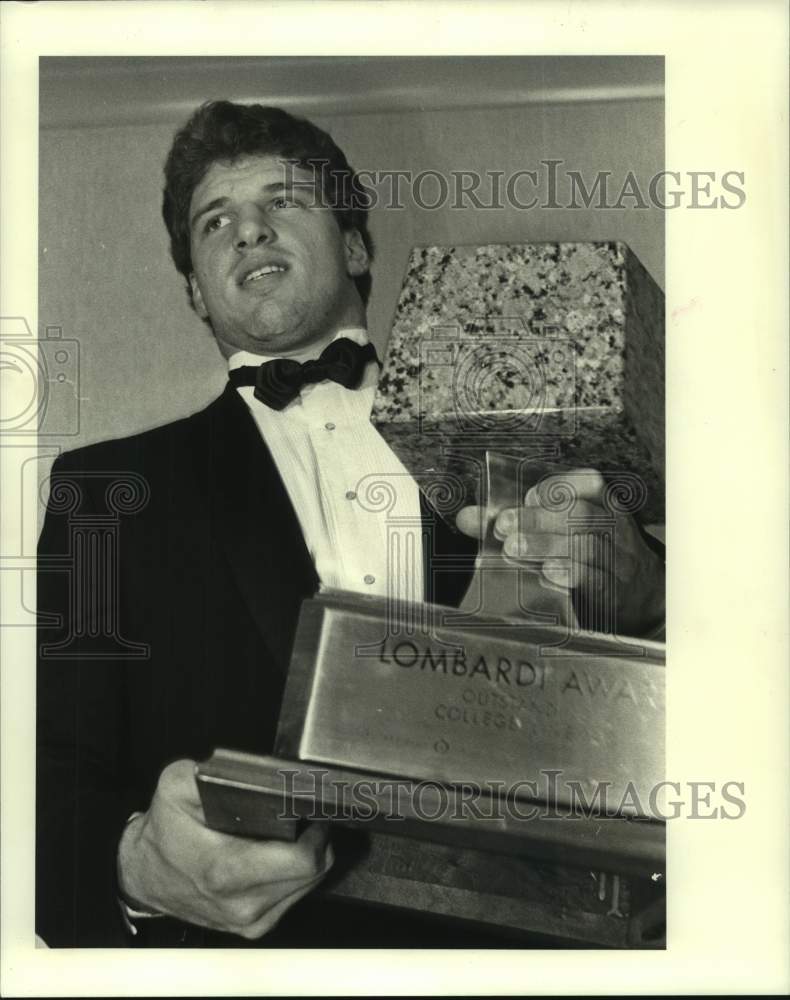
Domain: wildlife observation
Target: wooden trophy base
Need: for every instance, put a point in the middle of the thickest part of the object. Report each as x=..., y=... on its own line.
x=594, y=881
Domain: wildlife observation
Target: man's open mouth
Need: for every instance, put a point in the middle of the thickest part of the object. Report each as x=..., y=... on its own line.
x=262, y=272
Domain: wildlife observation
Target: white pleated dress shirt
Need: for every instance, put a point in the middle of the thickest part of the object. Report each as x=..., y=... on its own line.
x=357, y=505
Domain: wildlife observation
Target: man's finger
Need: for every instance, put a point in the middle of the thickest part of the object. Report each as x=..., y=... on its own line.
x=535, y=546
x=282, y=861
x=558, y=573
x=177, y=783
x=561, y=573
x=592, y=582
x=275, y=884
x=472, y=521
x=506, y=522
x=582, y=484
x=538, y=520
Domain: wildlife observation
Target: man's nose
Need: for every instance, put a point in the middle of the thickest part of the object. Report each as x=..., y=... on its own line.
x=252, y=229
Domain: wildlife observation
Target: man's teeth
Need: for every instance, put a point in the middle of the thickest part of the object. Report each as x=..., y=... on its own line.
x=261, y=271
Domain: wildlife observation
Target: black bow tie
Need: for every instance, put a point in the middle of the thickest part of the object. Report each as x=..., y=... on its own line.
x=278, y=382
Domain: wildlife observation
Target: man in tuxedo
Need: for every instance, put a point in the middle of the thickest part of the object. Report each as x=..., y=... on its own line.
x=191, y=547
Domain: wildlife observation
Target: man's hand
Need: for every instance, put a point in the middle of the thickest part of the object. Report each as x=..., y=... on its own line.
x=171, y=862
x=538, y=535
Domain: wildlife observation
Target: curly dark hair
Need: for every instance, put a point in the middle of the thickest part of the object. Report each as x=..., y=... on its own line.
x=220, y=131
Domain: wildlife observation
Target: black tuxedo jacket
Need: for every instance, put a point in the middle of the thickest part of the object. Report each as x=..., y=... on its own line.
x=165, y=631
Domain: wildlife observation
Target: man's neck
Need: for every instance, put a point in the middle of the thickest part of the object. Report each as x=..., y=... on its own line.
x=310, y=353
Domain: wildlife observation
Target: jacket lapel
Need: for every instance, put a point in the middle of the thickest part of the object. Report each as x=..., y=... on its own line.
x=256, y=524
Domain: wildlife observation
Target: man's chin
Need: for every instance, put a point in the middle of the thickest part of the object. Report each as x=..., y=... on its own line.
x=271, y=342
x=250, y=345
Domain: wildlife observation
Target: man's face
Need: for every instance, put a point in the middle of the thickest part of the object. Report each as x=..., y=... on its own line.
x=272, y=269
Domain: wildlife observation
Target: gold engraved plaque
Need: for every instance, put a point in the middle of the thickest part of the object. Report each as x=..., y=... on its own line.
x=542, y=715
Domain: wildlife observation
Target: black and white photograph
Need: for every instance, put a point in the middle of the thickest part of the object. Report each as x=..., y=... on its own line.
x=350, y=452
x=352, y=436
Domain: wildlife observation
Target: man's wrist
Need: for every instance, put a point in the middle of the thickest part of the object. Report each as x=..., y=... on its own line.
x=132, y=906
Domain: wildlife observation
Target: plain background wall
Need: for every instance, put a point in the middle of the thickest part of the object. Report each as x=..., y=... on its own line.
x=105, y=275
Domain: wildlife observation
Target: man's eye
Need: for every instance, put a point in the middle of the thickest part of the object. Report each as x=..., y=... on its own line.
x=215, y=222
x=283, y=202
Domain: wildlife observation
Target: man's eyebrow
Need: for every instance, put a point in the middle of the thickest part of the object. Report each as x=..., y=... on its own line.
x=292, y=184
x=216, y=203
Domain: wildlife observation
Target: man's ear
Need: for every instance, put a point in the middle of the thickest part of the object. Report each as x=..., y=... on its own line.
x=357, y=259
x=197, y=298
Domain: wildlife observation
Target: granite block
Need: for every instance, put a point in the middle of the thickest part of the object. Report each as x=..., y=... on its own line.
x=548, y=351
